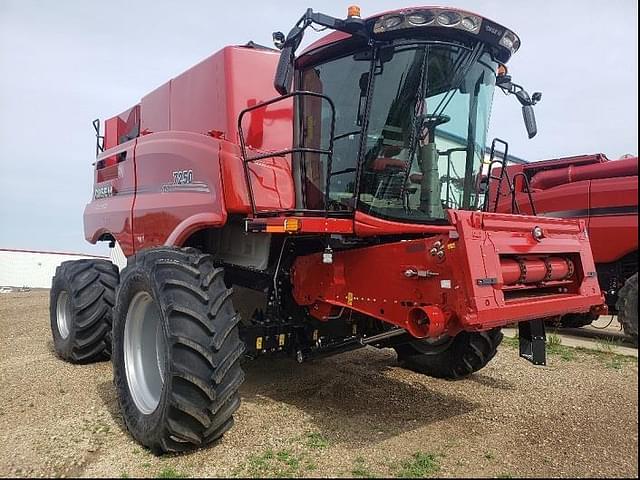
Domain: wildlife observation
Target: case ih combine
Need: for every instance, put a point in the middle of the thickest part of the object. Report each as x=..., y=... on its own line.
x=344, y=213
x=604, y=194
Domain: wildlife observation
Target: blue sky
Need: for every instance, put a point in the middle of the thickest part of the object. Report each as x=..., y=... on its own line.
x=62, y=64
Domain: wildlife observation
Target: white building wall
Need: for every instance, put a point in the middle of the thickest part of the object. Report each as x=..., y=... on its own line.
x=117, y=256
x=31, y=269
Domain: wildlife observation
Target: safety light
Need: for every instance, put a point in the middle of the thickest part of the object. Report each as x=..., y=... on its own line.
x=471, y=23
x=421, y=18
x=449, y=19
x=292, y=224
x=391, y=22
x=510, y=41
x=353, y=11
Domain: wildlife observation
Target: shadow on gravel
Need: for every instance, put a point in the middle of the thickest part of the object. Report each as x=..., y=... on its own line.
x=107, y=393
x=50, y=348
x=359, y=397
x=354, y=397
x=492, y=382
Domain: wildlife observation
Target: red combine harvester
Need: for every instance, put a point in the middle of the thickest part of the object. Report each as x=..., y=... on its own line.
x=343, y=213
x=604, y=194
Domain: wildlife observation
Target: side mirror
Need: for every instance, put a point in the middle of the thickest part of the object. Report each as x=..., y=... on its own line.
x=527, y=102
x=529, y=120
x=483, y=184
x=278, y=39
x=284, y=72
x=503, y=80
x=363, y=83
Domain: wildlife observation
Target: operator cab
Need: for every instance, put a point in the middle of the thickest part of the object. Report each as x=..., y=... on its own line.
x=391, y=113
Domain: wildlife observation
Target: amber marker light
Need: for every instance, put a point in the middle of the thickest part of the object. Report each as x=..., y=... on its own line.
x=353, y=11
x=292, y=225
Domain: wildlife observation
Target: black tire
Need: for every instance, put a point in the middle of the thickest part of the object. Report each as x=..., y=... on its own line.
x=456, y=358
x=202, y=372
x=627, y=306
x=577, y=320
x=87, y=287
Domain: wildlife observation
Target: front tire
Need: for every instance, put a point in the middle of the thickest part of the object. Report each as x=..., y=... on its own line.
x=176, y=350
x=451, y=358
x=627, y=306
x=577, y=320
x=80, y=308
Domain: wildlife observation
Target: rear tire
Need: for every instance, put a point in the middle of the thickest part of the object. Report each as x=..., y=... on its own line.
x=577, y=320
x=80, y=308
x=459, y=357
x=177, y=351
x=627, y=306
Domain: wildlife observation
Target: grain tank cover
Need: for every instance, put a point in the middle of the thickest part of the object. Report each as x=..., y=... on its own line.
x=208, y=97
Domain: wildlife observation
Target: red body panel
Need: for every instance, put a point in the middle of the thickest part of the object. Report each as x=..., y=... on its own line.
x=127, y=124
x=452, y=285
x=613, y=235
x=602, y=192
x=111, y=214
x=189, y=124
x=165, y=212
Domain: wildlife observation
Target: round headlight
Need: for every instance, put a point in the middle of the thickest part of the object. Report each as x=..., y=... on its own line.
x=392, y=22
x=420, y=18
x=470, y=23
x=509, y=41
x=449, y=19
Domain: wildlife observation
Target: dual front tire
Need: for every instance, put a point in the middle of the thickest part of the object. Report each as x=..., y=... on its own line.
x=81, y=303
x=627, y=307
x=175, y=342
x=177, y=350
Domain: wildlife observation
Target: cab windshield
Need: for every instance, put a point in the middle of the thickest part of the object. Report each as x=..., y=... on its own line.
x=419, y=125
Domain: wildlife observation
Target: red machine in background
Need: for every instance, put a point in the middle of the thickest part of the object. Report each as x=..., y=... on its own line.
x=604, y=194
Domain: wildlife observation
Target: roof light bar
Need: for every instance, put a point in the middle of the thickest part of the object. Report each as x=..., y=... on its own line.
x=441, y=17
x=447, y=18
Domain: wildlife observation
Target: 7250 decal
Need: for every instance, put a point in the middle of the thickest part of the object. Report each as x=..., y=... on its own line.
x=182, y=177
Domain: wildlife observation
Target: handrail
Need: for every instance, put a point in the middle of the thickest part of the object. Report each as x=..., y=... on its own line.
x=527, y=189
x=99, y=138
x=511, y=182
x=282, y=153
x=503, y=174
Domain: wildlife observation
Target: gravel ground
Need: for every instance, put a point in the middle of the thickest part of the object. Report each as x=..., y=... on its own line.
x=357, y=414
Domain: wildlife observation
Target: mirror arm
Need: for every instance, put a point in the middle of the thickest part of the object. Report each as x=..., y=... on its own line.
x=525, y=100
x=352, y=25
x=284, y=72
x=521, y=94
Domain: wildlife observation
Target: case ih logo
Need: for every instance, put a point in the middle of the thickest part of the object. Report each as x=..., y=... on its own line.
x=103, y=192
x=493, y=30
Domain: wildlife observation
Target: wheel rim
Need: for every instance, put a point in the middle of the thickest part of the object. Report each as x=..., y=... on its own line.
x=63, y=314
x=144, y=352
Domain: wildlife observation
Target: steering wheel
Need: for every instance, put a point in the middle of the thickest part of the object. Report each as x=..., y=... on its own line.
x=431, y=121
